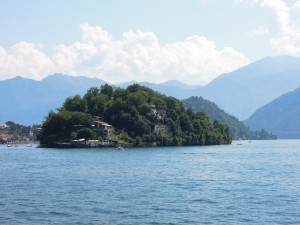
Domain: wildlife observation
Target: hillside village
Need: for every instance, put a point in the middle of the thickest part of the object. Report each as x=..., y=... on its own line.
x=17, y=134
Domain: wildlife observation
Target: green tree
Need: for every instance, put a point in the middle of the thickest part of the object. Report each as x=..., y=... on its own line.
x=90, y=94
x=107, y=90
x=86, y=133
x=59, y=126
x=75, y=104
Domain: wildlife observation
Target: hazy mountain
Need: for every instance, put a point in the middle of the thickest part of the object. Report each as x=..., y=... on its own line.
x=181, y=85
x=237, y=128
x=173, y=88
x=281, y=116
x=27, y=101
x=243, y=91
x=239, y=93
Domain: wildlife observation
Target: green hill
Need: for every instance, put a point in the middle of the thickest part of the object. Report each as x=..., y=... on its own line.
x=281, y=116
x=237, y=128
x=135, y=115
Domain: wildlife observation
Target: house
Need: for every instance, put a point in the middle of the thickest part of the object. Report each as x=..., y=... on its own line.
x=102, y=128
x=3, y=126
x=39, y=129
x=3, y=138
x=159, y=113
x=92, y=143
x=79, y=143
x=161, y=128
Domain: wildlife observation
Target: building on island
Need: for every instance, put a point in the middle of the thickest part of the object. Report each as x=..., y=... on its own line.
x=3, y=126
x=161, y=128
x=159, y=113
x=102, y=128
x=3, y=138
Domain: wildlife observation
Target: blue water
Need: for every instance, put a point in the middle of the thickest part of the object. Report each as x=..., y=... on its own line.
x=257, y=182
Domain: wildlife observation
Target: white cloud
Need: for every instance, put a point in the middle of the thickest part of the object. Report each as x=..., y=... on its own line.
x=288, y=40
x=259, y=32
x=285, y=40
x=296, y=5
x=24, y=58
x=136, y=56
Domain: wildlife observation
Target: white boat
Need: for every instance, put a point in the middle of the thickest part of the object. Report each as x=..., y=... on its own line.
x=119, y=148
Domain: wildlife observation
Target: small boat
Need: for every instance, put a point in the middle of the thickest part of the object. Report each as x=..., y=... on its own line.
x=28, y=145
x=9, y=145
x=120, y=148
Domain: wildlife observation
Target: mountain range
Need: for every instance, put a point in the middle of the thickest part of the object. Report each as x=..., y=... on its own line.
x=243, y=91
x=27, y=101
x=281, y=116
x=239, y=93
x=173, y=88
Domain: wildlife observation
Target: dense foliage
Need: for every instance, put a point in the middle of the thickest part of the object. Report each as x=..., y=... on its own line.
x=135, y=113
x=237, y=128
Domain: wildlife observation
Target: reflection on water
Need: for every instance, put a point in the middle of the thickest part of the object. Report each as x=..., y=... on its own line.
x=254, y=182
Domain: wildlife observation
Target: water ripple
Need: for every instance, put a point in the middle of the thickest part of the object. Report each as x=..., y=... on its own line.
x=253, y=183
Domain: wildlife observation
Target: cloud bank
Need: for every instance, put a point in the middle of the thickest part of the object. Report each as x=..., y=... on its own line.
x=136, y=56
x=286, y=39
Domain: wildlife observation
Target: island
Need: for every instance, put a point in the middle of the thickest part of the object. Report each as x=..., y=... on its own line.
x=135, y=116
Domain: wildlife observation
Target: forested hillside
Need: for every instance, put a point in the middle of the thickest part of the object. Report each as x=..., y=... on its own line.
x=138, y=115
x=237, y=128
x=281, y=116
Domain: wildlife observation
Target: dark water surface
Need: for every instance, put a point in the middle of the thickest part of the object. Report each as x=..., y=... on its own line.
x=256, y=182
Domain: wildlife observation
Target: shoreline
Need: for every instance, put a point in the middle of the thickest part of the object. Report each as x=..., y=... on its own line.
x=114, y=145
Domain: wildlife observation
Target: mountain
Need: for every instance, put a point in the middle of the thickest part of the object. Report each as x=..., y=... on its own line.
x=243, y=91
x=181, y=85
x=27, y=101
x=281, y=116
x=173, y=88
x=239, y=93
x=237, y=128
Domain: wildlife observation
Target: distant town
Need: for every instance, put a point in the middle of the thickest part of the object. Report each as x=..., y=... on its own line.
x=12, y=133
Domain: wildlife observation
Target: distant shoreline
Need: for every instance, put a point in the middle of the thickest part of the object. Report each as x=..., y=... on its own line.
x=114, y=145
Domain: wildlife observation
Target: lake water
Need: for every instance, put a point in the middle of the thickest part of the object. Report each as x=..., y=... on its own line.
x=254, y=182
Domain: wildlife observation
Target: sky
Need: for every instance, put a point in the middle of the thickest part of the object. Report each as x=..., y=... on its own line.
x=193, y=41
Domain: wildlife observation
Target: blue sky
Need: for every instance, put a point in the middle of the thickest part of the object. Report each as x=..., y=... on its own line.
x=189, y=40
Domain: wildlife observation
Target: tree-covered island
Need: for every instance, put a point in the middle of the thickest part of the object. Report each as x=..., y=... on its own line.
x=136, y=116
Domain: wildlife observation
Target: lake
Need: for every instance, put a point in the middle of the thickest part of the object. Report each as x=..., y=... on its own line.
x=255, y=182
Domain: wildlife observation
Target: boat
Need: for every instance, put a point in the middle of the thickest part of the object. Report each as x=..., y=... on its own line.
x=29, y=145
x=120, y=148
x=9, y=145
